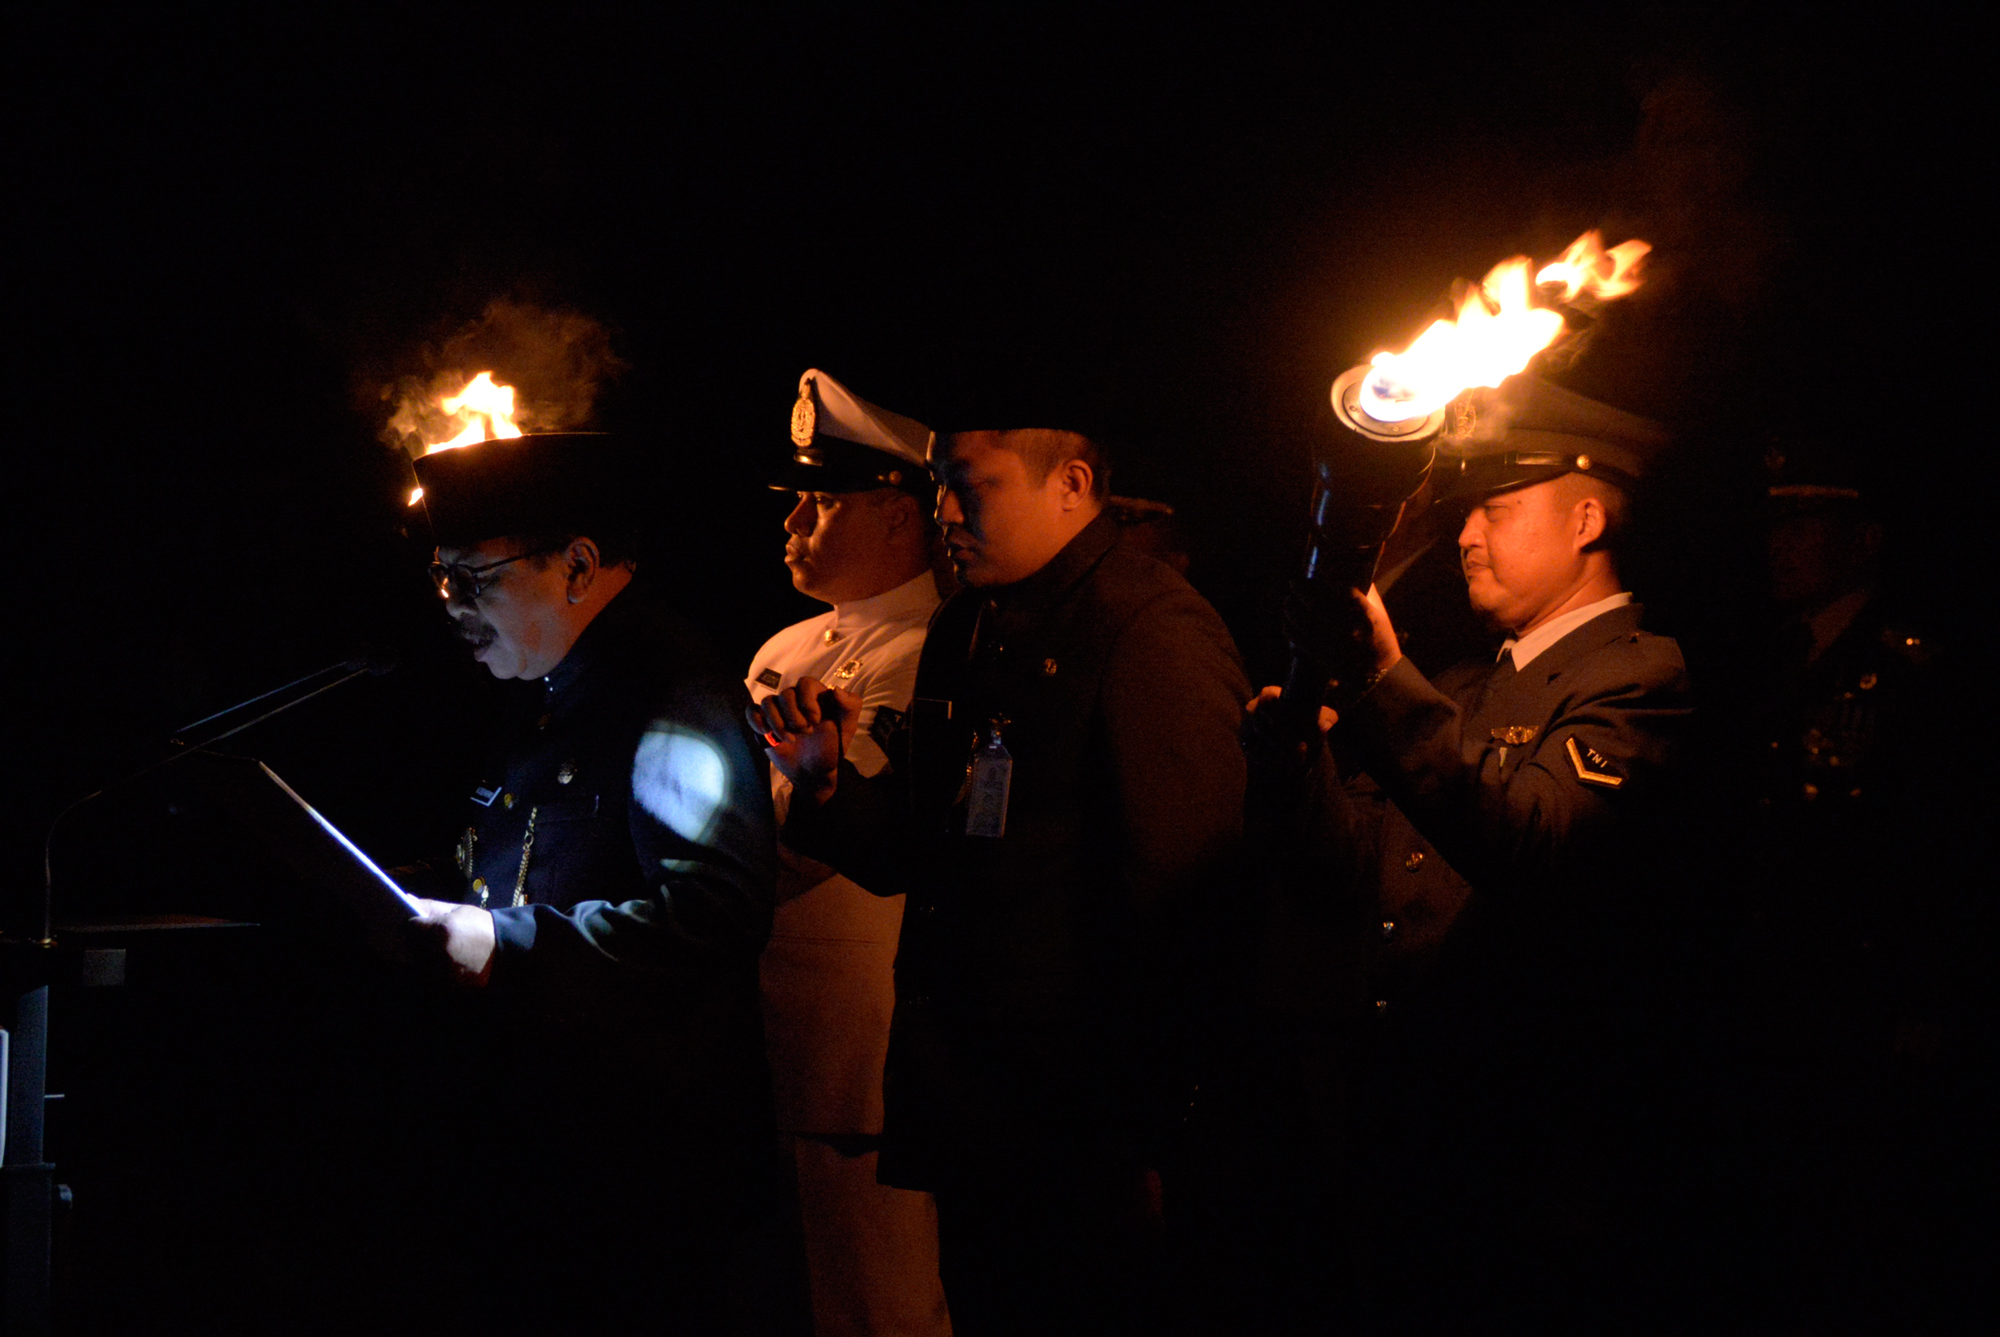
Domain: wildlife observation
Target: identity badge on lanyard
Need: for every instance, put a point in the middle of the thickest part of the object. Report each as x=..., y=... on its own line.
x=991, y=774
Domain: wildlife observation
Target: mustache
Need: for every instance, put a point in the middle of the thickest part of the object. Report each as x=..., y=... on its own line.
x=474, y=631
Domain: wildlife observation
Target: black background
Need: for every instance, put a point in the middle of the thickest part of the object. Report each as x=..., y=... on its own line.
x=230, y=233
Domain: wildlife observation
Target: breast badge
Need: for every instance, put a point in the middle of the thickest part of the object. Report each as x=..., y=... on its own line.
x=1513, y=735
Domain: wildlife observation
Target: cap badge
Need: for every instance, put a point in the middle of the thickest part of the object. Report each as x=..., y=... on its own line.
x=804, y=419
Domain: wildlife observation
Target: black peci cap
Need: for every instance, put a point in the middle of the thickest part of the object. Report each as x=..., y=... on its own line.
x=532, y=484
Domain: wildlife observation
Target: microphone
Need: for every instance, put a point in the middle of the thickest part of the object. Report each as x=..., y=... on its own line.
x=369, y=661
x=374, y=661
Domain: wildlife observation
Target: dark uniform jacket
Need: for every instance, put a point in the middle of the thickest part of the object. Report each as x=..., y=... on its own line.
x=1502, y=803
x=1495, y=844
x=623, y=838
x=1042, y=979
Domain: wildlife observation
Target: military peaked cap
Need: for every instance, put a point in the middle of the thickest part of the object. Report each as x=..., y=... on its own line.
x=843, y=443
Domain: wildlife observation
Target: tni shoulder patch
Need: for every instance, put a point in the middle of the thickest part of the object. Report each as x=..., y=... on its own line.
x=1592, y=766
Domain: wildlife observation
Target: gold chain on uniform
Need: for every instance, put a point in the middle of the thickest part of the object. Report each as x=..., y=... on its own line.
x=527, y=844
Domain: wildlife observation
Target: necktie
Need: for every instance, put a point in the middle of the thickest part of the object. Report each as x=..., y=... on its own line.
x=1502, y=674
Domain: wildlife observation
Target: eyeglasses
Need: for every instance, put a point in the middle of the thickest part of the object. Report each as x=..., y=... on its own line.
x=472, y=581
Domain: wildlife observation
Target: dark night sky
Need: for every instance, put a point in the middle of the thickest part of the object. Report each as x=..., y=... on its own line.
x=229, y=237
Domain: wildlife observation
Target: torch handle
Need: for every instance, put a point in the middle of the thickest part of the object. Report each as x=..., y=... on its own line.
x=1363, y=474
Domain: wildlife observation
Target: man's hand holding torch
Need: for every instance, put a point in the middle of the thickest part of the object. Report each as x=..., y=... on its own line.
x=806, y=730
x=1384, y=648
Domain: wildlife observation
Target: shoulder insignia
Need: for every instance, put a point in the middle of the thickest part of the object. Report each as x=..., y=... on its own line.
x=847, y=670
x=1592, y=766
x=1515, y=735
x=770, y=678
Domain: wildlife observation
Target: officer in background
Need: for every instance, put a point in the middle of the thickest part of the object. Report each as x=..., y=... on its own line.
x=610, y=1125
x=1064, y=855
x=1482, y=846
x=1870, y=863
x=861, y=539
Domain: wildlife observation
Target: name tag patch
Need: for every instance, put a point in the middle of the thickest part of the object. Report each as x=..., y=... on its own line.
x=769, y=678
x=990, y=780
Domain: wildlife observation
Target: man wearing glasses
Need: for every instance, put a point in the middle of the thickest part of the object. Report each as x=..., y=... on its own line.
x=614, y=890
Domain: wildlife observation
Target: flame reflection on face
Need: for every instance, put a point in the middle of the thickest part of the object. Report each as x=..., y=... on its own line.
x=1499, y=327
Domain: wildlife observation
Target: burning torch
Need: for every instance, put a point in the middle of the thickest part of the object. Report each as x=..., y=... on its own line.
x=1389, y=416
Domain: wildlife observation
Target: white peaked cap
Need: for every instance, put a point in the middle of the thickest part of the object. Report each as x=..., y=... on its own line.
x=828, y=408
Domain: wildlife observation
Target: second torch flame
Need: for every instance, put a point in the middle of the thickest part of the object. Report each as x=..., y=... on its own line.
x=1500, y=325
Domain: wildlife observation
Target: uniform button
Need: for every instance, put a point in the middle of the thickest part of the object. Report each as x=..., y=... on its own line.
x=1414, y=862
x=479, y=884
x=566, y=773
x=829, y=636
x=1868, y=681
x=1048, y=668
x=506, y=800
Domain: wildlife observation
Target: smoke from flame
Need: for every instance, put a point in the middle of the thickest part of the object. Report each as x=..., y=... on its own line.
x=1500, y=325
x=517, y=369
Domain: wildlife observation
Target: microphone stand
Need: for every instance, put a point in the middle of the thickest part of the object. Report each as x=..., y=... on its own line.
x=30, y=1197
x=187, y=742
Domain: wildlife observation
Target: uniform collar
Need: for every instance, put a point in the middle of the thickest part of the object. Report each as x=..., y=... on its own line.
x=911, y=601
x=1529, y=647
x=612, y=620
x=1046, y=587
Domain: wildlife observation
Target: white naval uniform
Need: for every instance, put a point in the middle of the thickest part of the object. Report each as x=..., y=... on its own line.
x=828, y=986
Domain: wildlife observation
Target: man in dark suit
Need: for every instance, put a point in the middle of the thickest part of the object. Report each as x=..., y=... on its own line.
x=609, y=1111
x=1489, y=838
x=1063, y=853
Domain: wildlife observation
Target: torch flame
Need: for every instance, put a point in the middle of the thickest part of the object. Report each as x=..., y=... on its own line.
x=1586, y=268
x=1499, y=328
x=484, y=410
